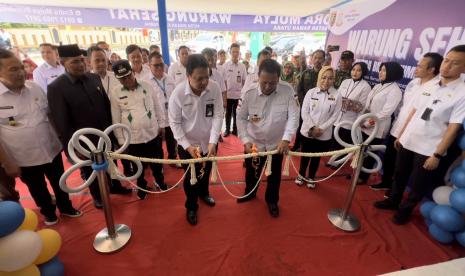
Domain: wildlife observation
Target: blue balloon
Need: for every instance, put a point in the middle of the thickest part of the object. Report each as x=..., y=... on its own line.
x=457, y=200
x=11, y=217
x=461, y=238
x=462, y=142
x=439, y=234
x=54, y=267
x=447, y=218
x=425, y=208
x=458, y=177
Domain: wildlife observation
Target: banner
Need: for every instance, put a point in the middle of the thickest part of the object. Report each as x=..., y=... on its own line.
x=396, y=30
x=129, y=18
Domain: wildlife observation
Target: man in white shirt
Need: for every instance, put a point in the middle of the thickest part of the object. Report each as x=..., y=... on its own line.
x=209, y=55
x=195, y=114
x=268, y=118
x=28, y=138
x=177, y=70
x=48, y=71
x=252, y=66
x=428, y=132
x=98, y=64
x=136, y=104
x=234, y=74
x=163, y=86
x=252, y=79
x=141, y=70
x=418, y=89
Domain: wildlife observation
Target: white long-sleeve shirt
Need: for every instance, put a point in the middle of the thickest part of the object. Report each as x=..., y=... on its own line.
x=139, y=109
x=45, y=74
x=383, y=101
x=163, y=87
x=235, y=75
x=266, y=120
x=32, y=141
x=196, y=120
x=320, y=109
x=251, y=81
x=412, y=93
x=177, y=72
x=354, y=91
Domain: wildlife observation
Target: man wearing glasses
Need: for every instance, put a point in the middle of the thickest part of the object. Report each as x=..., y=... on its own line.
x=163, y=86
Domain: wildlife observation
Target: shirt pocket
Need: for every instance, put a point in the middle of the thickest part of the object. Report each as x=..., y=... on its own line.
x=279, y=113
x=6, y=114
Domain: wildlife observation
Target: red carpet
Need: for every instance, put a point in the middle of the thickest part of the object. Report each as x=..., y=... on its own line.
x=242, y=239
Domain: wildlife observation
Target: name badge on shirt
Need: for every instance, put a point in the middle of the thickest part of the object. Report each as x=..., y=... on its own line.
x=209, y=108
x=255, y=118
x=123, y=97
x=427, y=114
x=178, y=73
x=331, y=99
x=6, y=107
x=239, y=79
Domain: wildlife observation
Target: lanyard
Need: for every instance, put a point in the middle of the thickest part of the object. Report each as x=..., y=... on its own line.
x=376, y=93
x=163, y=88
x=353, y=88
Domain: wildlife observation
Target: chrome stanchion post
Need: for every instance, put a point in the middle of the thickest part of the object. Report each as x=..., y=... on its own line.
x=113, y=237
x=341, y=218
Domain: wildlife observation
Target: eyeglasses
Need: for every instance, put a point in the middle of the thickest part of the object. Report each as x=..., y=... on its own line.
x=157, y=65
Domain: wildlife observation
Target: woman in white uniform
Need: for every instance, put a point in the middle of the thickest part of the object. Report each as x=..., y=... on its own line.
x=320, y=109
x=354, y=93
x=382, y=102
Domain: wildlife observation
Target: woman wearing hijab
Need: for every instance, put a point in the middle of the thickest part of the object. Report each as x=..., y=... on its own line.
x=382, y=102
x=354, y=93
x=288, y=74
x=320, y=109
x=29, y=67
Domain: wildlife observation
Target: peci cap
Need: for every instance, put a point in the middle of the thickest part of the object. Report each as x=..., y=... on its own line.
x=121, y=68
x=71, y=50
x=347, y=55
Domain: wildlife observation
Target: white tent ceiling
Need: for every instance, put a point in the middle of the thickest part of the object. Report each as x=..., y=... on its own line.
x=247, y=7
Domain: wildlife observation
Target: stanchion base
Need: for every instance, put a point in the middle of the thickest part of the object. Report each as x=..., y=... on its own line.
x=350, y=224
x=104, y=244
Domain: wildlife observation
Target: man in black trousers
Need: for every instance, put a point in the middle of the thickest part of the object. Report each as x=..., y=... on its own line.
x=78, y=100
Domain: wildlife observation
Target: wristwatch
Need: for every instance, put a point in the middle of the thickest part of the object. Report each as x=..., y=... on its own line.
x=437, y=155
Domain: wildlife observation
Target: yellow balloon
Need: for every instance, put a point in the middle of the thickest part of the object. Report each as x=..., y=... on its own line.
x=31, y=270
x=51, y=245
x=30, y=221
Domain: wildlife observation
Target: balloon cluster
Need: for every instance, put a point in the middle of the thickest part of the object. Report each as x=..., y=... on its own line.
x=23, y=250
x=445, y=216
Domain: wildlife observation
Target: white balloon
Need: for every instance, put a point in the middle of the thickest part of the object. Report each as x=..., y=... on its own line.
x=19, y=250
x=441, y=195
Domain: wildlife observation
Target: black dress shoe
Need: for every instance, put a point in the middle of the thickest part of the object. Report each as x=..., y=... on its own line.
x=401, y=218
x=162, y=186
x=273, y=209
x=98, y=203
x=380, y=186
x=245, y=199
x=120, y=190
x=208, y=200
x=234, y=132
x=226, y=134
x=191, y=217
x=141, y=194
x=387, y=204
